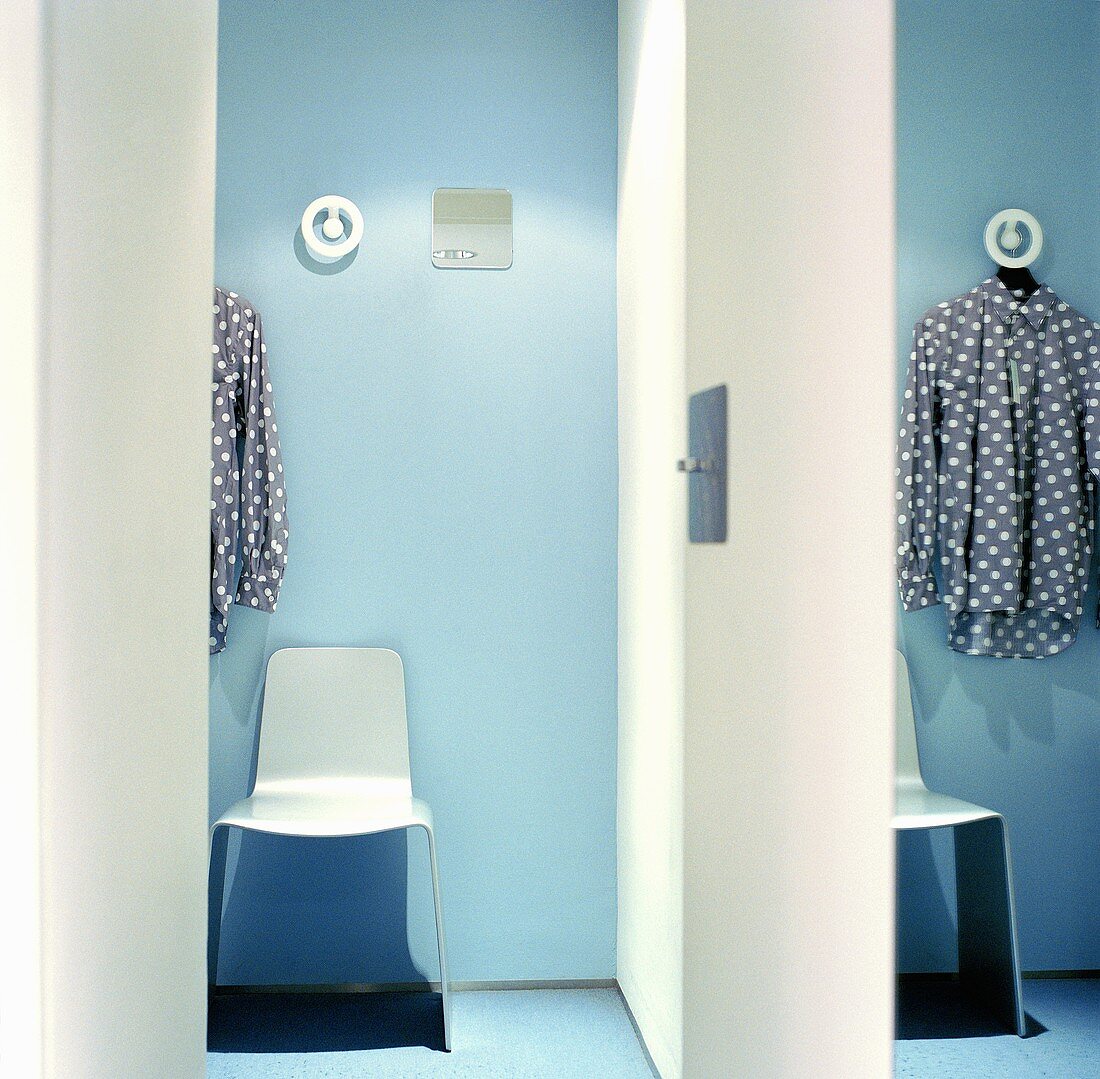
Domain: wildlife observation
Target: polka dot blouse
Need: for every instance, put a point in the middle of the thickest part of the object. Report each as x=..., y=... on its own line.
x=1000, y=433
x=247, y=492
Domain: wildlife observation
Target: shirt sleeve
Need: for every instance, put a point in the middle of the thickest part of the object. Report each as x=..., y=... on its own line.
x=1091, y=411
x=1090, y=420
x=917, y=463
x=263, y=526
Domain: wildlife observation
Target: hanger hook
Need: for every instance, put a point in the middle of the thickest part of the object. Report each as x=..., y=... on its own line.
x=1011, y=238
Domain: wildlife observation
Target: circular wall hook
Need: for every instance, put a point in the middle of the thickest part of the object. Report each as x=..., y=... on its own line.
x=332, y=248
x=1002, y=245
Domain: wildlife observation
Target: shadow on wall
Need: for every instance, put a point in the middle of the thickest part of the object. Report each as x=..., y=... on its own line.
x=356, y=891
x=322, y=269
x=352, y=890
x=926, y=922
x=1028, y=709
x=1017, y=736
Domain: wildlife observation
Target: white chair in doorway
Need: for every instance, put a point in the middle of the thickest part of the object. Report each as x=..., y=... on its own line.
x=333, y=761
x=989, y=960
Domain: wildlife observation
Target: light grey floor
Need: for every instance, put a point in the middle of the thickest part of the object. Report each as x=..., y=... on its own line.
x=528, y=1034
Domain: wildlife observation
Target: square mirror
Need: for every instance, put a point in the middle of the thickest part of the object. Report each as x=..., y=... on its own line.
x=472, y=228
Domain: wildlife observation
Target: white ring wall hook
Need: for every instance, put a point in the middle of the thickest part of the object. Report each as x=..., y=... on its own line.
x=1002, y=246
x=332, y=248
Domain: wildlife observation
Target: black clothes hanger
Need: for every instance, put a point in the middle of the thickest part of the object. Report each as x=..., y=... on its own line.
x=1018, y=277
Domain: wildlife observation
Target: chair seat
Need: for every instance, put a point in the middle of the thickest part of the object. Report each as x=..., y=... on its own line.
x=918, y=807
x=325, y=812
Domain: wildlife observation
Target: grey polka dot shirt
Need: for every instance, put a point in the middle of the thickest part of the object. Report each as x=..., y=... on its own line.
x=1000, y=438
x=248, y=522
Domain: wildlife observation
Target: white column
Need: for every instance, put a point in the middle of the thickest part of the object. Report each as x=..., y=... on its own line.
x=652, y=521
x=122, y=335
x=22, y=223
x=788, y=760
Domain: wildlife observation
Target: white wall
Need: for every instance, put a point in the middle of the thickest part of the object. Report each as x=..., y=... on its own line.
x=651, y=520
x=22, y=196
x=788, y=770
x=123, y=544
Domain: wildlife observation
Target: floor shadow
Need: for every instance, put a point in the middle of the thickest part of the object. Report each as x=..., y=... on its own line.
x=323, y=1022
x=940, y=1008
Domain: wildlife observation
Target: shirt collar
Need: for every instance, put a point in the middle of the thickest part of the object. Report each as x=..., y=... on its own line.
x=1035, y=308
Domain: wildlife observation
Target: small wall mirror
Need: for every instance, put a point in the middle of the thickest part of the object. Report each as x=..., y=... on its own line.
x=472, y=228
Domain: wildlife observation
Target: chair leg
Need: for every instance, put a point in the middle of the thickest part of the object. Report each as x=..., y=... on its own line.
x=219, y=845
x=989, y=961
x=443, y=985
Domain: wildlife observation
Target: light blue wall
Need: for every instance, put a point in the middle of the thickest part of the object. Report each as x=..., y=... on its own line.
x=450, y=451
x=997, y=106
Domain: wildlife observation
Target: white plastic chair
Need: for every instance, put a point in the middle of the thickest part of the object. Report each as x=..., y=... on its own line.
x=333, y=761
x=989, y=961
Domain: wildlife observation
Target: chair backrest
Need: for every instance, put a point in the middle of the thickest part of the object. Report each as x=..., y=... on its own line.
x=334, y=714
x=908, y=759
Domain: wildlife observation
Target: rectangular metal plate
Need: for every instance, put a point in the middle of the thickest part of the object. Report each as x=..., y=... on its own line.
x=707, y=488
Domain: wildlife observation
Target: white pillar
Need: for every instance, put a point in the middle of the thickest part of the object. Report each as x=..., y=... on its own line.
x=652, y=521
x=788, y=735
x=22, y=215
x=113, y=338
